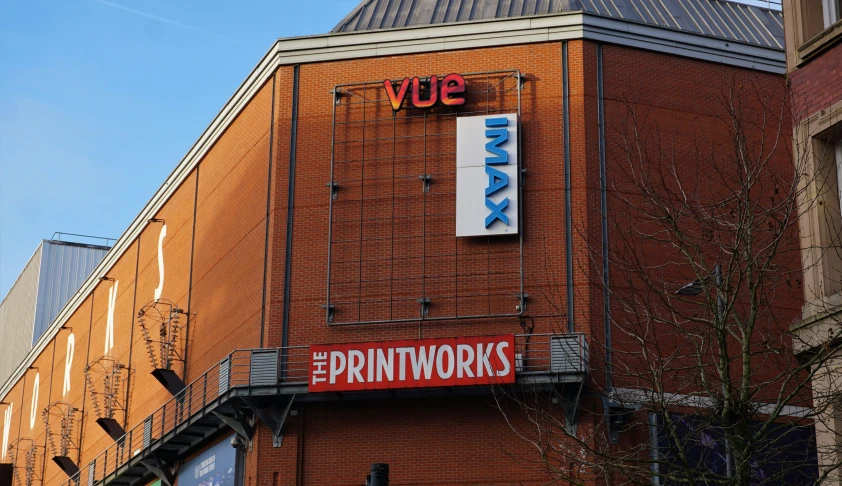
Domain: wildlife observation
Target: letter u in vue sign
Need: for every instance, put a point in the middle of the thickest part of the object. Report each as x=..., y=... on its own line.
x=487, y=175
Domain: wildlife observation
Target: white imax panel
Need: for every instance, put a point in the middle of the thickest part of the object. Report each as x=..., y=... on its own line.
x=486, y=175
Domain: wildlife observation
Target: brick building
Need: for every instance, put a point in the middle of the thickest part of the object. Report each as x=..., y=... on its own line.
x=312, y=214
x=814, y=69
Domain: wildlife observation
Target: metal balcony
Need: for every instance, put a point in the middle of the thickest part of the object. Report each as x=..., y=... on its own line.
x=248, y=381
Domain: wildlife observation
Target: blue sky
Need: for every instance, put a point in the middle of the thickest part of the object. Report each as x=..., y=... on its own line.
x=100, y=99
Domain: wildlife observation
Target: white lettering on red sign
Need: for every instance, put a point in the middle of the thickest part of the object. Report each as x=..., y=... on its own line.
x=462, y=361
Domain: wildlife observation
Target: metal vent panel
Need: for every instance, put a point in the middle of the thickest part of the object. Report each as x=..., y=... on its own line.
x=568, y=354
x=147, y=432
x=92, y=473
x=264, y=368
x=224, y=373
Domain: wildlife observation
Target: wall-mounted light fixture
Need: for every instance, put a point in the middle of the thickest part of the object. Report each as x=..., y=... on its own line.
x=106, y=279
x=155, y=220
x=337, y=96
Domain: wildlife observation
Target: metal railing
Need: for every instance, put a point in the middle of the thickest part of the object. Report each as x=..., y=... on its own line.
x=235, y=371
x=535, y=354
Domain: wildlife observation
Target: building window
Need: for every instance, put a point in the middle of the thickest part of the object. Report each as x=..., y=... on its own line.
x=831, y=11
x=838, y=159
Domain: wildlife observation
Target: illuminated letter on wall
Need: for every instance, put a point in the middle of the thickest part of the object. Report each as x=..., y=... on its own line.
x=7, y=426
x=33, y=410
x=68, y=362
x=109, y=321
x=161, y=262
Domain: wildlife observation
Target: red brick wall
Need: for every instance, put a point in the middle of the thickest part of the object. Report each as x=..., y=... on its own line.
x=425, y=442
x=543, y=217
x=279, y=207
x=817, y=85
x=680, y=106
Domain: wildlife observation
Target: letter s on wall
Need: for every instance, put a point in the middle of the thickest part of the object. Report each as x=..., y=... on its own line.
x=161, y=237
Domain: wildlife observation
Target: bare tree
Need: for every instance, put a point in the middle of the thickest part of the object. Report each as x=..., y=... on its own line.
x=700, y=384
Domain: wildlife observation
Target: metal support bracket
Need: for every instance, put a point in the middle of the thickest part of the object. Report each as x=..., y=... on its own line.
x=617, y=415
x=67, y=465
x=425, y=306
x=425, y=179
x=571, y=396
x=337, y=96
x=334, y=189
x=163, y=471
x=329, y=311
x=242, y=425
x=523, y=297
x=274, y=418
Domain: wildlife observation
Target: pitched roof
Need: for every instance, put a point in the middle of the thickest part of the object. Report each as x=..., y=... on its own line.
x=720, y=19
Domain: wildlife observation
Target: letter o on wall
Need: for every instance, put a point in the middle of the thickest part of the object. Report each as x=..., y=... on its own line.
x=445, y=374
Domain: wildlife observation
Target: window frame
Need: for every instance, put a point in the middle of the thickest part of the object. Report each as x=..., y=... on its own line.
x=808, y=29
x=830, y=12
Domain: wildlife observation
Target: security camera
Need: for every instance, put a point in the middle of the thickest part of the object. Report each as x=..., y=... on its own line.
x=238, y=442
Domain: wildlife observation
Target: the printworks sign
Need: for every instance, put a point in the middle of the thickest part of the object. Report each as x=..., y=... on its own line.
x=417, y=363
x=486, y=175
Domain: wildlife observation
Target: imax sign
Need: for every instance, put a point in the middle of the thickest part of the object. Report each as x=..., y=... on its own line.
x=486, y=175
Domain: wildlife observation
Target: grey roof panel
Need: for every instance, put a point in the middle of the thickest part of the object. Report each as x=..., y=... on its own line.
x=683, y=19
x=720, y=19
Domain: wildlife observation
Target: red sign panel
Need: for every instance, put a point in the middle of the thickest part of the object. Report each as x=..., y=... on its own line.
x=415, y=363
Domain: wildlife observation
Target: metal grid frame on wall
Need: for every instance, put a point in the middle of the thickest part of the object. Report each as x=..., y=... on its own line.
x=393, y=254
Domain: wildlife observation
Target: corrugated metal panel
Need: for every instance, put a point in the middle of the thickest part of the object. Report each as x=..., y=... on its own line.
x=147, y=431
x=92, y=473
x=63, y=269
x=17, y=315
x=264, y=368
x=50, y=278
x=713, y=18
x=566, y=354
x=224, y=371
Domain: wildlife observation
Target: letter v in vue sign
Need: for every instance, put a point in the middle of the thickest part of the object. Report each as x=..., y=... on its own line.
x=421, y=363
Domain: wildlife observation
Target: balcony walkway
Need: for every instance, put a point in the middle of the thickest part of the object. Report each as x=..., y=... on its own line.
x=263, y=383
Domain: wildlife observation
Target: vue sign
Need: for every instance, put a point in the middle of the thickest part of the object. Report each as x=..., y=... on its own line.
x=414, y=363
x=445, y=91
x=487, y=175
